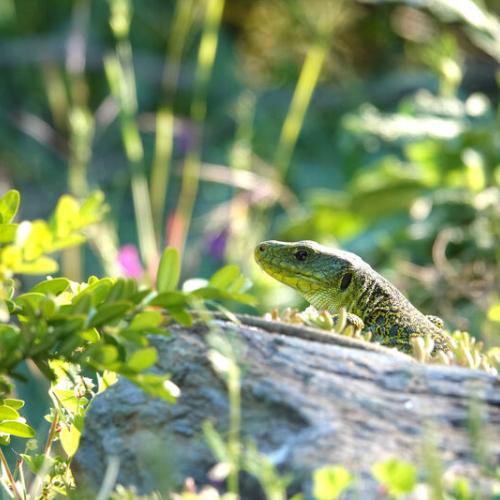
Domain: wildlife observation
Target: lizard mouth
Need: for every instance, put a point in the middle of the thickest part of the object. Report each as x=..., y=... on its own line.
x=285, y=273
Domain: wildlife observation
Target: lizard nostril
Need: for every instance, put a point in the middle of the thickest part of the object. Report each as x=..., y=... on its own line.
x=262, y=248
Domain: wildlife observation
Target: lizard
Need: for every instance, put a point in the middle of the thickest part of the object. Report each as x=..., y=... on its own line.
x=330, y=279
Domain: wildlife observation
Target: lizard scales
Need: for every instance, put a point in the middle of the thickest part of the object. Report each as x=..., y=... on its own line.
x=330, y=279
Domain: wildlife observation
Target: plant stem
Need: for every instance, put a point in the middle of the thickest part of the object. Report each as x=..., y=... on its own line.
x=192, y=164
x=120, y=74
x=308, y=79
x=234, y=390
x=51, y=435
x=80, y=126
x=164, y=141
x=12, y=481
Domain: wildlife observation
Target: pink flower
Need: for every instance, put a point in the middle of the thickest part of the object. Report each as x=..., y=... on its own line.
x=130, y=262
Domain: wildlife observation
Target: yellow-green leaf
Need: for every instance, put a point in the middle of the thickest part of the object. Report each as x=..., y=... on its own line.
x=330, y=482
x=9, y=204
x=18, y=429
x=169, y=270
x=8, y=413
x=225, y=277
x=14, y=403
x=142, y=359
x=398, y=476
x=70, y=439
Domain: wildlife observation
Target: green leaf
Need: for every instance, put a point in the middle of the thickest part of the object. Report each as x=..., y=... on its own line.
x=42, y=265
x=461, y=489
x=156, y=385
x=48, y=308
x=146, y=320
x=93, y=208
x=181, y=316
x=9, y=204
x=104, y=355
x=8, y=413
x=70, y=439
x=81, y=304
x=170, y=299
x=136, y=337
x=398, y=476
x=66, y=216
x=18, y=429
x=211, y=293
x=14, y=403
x=225, y=277
x=107, y=379
x=36, y=462
x=90, y=335
x=142, y=359
x=98, y=290
x=53, y=286
x=330, y=482
x=30, y=302
x=67, y=399
x=107, y=313
x=169, y=270
x=8, y=232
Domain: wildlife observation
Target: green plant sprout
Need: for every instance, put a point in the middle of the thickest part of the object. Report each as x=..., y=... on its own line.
x=101, y=325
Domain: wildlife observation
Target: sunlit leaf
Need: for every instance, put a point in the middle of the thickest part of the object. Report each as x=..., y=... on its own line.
x=170, y=299
x=157, y=386
x=98, y=290
x=53, y=286
x=330, y=482
x=107, y=379
x=42, y=265
x=66, y=216
x=169, y=270
x=18, y=429
x=225, y=277
x=14, y=403
x=146, y=320
x=8, y=413
x=398, y=476
x=8, y=232
x=142, y=359
x=90, y=335
x=68, y=399
x=9, y=204
x=70, y=439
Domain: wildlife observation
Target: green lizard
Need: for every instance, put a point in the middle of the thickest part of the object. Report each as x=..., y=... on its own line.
x=330, y=279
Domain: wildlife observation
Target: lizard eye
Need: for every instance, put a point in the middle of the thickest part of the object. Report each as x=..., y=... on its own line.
x=301, y=254
x=345, y=282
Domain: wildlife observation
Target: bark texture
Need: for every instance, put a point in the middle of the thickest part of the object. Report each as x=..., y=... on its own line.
x=304, y=404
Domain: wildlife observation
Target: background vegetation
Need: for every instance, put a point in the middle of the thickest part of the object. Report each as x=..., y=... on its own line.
x=211, y=125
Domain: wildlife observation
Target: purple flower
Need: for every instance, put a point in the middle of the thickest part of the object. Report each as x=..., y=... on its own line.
x=217, y=244
x=186, y=135
x=130, y=262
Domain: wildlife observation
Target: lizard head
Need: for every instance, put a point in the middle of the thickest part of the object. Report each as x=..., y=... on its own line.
x=323, y=275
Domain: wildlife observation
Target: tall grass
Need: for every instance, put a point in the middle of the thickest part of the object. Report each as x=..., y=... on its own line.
x=164, y=140
x=294, y=120
x=120, y=74
x=192, y=164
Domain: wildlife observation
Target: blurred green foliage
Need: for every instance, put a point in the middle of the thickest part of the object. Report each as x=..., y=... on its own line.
x=212, y=125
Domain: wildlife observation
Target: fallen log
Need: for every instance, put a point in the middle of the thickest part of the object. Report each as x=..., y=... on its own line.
x=305, y=403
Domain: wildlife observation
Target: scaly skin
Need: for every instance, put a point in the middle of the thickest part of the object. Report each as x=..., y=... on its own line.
x=330, y=279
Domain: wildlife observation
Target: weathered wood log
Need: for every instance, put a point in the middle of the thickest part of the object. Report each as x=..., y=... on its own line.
x=305, y=403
